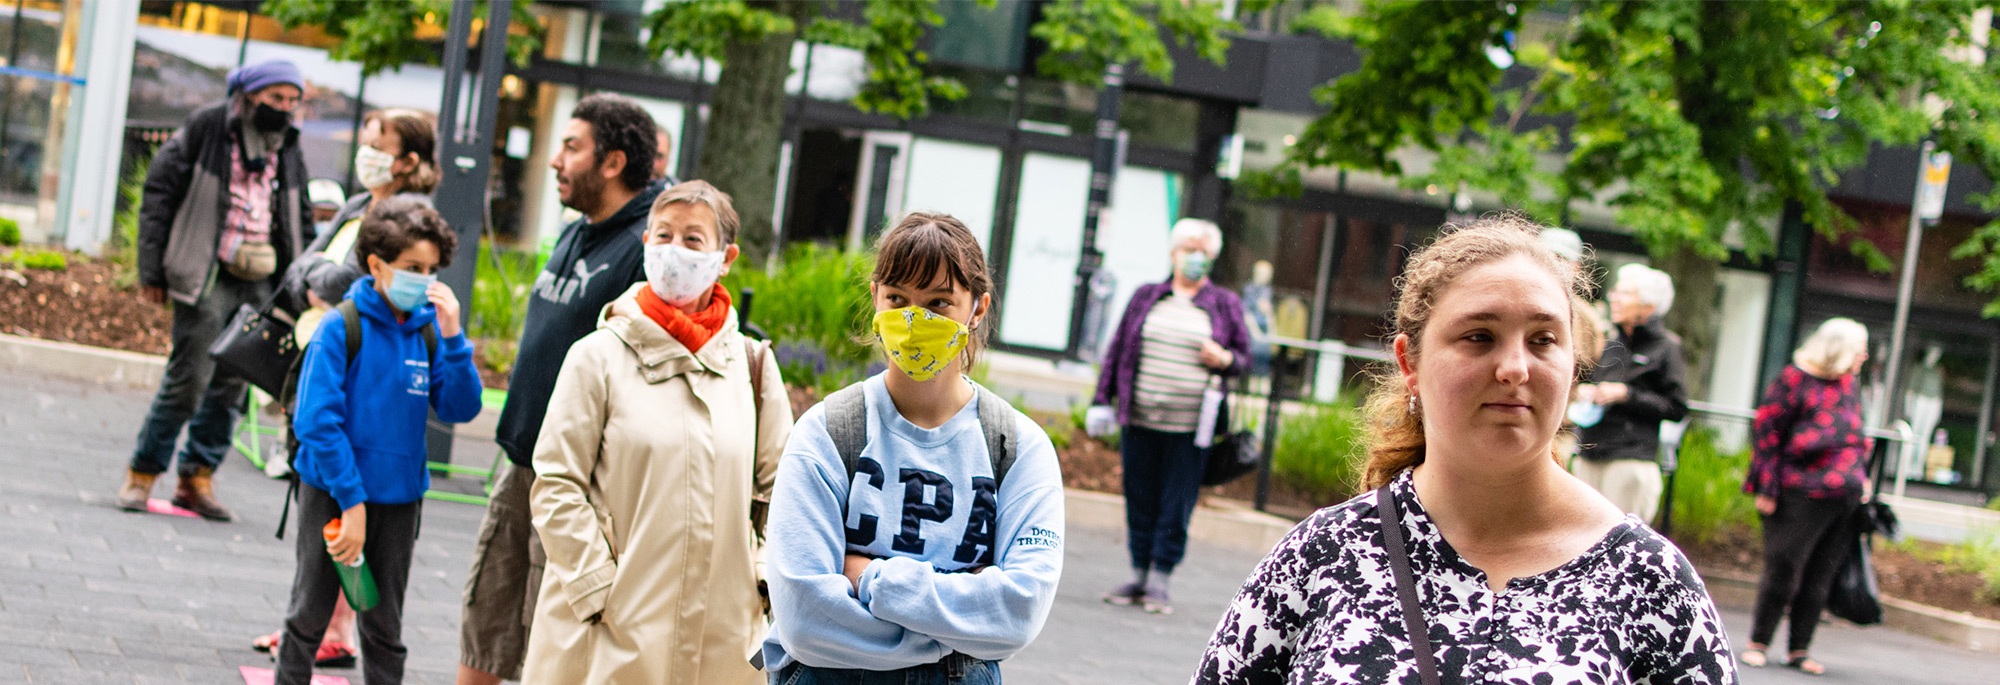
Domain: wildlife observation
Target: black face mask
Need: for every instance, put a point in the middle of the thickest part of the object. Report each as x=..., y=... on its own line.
x=270, y=119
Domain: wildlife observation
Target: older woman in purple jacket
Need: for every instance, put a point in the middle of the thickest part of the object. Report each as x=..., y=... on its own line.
x=1175, y=339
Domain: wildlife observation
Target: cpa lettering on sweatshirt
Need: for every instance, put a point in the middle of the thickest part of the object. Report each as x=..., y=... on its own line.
x=962, y=561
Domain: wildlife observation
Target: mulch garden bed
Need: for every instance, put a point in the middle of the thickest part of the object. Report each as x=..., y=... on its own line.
x=1898, y=573
x=82, y=305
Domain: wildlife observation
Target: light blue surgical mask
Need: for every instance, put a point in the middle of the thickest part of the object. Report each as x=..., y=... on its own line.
x=409, y=290
x=1194, y=266
x=1585, y=414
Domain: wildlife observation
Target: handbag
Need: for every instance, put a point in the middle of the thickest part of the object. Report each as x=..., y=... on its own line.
x=1234, y=453
x=258, y=347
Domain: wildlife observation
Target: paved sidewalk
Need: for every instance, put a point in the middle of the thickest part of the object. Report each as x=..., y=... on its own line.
x=91, y=594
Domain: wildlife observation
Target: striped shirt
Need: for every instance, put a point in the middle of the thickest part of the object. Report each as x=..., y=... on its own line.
x=1167, y=396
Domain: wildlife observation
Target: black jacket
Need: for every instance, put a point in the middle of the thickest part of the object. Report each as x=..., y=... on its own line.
x=1649, y=362
x=591, y=265
x=186, y=201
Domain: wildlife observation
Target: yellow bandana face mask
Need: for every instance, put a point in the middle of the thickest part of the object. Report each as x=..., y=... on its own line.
x=920, y=342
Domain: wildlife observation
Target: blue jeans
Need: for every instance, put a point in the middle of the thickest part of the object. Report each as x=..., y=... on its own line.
x=957, y=669
x=192, y=387
x=1162, y=480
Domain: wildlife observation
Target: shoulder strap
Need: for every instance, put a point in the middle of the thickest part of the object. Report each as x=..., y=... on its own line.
x=996, y=420
x=847, y=424
x=755, y=354
x=1391, y=515
x=351, y=316
x=430, y=332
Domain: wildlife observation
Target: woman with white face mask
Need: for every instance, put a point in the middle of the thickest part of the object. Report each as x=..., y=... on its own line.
x=662, y=437
x=396, y=157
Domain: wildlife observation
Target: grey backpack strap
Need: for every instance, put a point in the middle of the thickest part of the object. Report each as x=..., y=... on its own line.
x=847, y=424
x=351, y=316
x=996, y=420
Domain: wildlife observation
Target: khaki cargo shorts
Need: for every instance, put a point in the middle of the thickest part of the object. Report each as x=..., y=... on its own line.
x=506, y=578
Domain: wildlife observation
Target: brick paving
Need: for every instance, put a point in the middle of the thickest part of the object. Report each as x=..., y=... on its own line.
x=91, y=594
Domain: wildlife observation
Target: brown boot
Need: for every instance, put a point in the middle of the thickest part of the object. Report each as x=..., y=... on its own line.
x=196, y=493
x=138, y=488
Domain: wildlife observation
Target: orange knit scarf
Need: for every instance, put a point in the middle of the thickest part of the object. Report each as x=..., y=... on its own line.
x=692, y=330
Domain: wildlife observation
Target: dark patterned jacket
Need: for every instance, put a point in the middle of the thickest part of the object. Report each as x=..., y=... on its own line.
x=1808, y=438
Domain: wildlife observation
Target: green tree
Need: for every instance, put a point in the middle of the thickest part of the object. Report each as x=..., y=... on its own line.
x=753, y=40
x=383, y=35
x=1695, y=121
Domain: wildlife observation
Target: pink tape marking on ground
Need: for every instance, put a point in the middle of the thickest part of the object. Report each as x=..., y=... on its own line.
x=160, y=506
x=263, y=676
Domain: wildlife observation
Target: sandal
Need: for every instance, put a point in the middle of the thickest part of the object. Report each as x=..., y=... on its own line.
x=1753, y=656
x=334, y=655
x=1806, y=665
x=266, y=643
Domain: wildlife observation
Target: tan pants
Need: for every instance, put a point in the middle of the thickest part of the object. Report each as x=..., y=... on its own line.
x=1632, y=485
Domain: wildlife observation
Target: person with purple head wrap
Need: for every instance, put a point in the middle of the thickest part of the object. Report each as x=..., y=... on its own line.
x=224, y=210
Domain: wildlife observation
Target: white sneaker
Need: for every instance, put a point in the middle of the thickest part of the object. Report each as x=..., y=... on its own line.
x=277, y=465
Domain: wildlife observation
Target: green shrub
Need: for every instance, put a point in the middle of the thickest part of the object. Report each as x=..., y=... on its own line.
x=1979, y=554
x=500, y=288
x=814, y=307
x=41, y=259
x=123, y=249
x=10, y=232
x=1321, y=452
x=1708, y=489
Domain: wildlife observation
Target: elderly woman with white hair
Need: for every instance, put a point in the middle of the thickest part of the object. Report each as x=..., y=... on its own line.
x=1808, y=470
x=1640, y=381
x=1174, y=339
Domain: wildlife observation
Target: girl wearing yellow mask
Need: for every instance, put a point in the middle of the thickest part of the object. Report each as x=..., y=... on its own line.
x=916, y=527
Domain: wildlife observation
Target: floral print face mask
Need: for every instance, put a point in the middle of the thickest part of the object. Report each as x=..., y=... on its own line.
x=920, y=342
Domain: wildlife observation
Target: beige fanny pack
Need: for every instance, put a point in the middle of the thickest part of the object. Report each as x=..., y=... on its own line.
x=253, y=261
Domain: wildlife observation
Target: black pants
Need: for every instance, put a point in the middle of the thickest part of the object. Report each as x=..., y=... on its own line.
x=1162, y=480
x=392, y=537
x=1805, y=542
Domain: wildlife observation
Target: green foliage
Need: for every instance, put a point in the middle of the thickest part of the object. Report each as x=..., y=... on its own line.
x=46, y=260
x=383, y=35
x=818, y=295
x=124, y=247
x=10, y=232
x=1084, y=36
x=500, y=285
x=1685, y=128
x=1321, y=452
x=1708, y=490
x=1979, y=554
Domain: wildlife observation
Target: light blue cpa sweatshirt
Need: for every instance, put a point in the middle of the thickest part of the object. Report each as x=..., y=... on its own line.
x=923, y=503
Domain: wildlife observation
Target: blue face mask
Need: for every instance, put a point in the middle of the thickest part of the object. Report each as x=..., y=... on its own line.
x=1194, y=266
x=408, y=290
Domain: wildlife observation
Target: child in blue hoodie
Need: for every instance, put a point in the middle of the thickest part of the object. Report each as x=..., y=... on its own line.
x=360, y=427
x=916, y=527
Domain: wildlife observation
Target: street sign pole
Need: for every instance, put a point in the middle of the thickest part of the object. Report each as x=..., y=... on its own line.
x=1933, y=170
x=1103, y=168
x=464, y=155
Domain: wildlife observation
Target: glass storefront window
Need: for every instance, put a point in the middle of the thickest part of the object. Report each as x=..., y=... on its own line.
x=1161, y=121
x=989, y=95
x=30, y=140
x=1057, y=108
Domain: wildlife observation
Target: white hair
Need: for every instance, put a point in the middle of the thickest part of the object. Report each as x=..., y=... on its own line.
x=1653, y=286
x=1199, y=229
x=1833, y=348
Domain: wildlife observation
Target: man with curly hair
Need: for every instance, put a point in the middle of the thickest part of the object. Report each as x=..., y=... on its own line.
x=604, y=169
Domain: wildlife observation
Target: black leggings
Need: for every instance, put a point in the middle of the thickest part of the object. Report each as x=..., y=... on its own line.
x=1805, y=542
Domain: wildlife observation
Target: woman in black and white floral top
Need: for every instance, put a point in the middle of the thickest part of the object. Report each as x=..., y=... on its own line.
x=1521, y=572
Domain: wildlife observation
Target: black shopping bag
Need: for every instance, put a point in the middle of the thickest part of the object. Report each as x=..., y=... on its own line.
x=1855, y=596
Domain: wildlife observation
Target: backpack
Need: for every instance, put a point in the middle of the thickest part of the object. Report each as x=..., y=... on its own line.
x=288, y=396
x=847, y=424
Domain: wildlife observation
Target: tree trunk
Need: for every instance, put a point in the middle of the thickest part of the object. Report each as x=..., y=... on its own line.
x=1693, y=318
x=740, y=144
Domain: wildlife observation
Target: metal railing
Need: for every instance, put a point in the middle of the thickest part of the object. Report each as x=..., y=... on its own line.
x=249, y=440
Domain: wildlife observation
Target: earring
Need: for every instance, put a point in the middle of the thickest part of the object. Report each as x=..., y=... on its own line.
x=1413, y=404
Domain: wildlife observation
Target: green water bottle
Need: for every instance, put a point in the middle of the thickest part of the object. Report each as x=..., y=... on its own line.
x=355, y=579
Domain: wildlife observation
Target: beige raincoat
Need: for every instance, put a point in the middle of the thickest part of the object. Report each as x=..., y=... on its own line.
x=647, y=465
